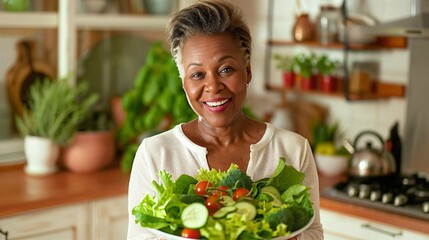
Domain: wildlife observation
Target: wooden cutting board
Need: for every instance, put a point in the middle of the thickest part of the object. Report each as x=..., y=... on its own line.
x=23, y=74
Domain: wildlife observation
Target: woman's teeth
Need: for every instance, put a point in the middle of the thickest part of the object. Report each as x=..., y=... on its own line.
x=217, y=104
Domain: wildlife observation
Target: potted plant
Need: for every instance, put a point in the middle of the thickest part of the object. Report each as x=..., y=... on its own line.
x=331, y=159
x=55, y=111
x=156, y=103
x=287, y=64
x=93, y=147
x=326, y=68
x=305, y=63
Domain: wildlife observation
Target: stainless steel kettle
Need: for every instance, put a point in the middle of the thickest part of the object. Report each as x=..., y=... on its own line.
x=371, y=162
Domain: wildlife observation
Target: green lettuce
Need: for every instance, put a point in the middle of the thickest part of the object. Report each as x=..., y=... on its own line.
x=163, y=210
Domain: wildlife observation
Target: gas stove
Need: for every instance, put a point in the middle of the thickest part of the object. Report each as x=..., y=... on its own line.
x=401, y=194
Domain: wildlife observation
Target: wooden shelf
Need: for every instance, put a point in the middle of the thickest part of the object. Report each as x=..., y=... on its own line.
x=382, y=90
x=49, y=20
x=38, y=20
x=338, y=46
x=121, y=22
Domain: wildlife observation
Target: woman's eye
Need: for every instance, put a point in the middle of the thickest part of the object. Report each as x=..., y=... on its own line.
x=197, y=75
x=226, y=70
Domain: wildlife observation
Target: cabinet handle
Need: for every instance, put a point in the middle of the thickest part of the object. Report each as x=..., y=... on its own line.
x=4, y=233
x=381, y=230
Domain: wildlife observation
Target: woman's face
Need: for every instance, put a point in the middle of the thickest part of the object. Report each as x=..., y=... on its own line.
x=215, y=78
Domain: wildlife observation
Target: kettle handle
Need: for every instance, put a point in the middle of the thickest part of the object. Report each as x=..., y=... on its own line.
x=372, y=133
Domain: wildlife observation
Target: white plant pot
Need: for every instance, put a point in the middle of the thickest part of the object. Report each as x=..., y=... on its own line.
x=42, y=155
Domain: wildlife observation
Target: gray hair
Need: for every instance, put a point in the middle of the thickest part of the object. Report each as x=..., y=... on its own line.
x=207, y=18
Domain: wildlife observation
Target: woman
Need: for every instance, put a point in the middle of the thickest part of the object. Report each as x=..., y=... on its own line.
x=211, y=45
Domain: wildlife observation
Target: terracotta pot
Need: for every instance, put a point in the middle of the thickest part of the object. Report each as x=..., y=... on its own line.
x=118, y=111
x=90, y=152
x=289, y=79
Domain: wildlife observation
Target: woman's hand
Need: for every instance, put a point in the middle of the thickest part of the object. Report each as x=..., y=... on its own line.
x=295, y=238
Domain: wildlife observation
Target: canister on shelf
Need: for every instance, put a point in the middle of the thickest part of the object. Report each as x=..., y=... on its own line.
x=327, y=24
x=362, y=77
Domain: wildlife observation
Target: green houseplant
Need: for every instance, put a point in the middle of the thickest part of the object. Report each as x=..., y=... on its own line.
x=55, y=111
x=287, y=64
x=306, y=65
x=326, y=68
x=156, y=103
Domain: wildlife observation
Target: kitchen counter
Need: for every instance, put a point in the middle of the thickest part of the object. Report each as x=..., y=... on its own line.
x=21, y=193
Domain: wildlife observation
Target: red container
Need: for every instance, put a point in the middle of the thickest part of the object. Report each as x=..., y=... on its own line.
x=308, y=83
x=289, y=79
x=328, y=83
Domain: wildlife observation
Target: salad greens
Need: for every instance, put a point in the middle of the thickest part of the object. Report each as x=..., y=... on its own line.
x=272, y=198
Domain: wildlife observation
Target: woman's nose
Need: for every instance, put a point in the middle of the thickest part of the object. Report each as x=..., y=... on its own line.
x=213, y=83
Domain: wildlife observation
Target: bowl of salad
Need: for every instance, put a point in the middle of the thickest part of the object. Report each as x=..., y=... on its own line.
x=227, y=205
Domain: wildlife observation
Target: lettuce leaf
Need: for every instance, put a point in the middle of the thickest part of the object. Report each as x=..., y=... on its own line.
x=285, y=176
x=213, y=176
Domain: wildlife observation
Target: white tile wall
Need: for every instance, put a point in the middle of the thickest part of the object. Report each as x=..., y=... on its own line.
x=352, y=116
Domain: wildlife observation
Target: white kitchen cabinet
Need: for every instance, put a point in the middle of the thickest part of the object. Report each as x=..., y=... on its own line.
x=65, y=223
x=339, y=226
x=110, y=219
x=105, y=219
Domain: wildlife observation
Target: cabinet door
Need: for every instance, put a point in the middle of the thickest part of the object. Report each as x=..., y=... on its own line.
x=65, y=223
x=110, y=219
x=338, y=226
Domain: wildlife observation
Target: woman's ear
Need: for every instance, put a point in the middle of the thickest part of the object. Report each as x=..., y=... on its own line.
x=249, y=73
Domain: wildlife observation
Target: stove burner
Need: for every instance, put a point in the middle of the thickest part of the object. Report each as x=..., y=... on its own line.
x=404, y=194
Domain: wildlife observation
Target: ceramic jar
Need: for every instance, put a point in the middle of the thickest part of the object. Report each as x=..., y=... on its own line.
x=303, y=29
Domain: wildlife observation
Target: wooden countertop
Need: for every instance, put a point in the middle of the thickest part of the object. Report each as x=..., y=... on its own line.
x=21, y=193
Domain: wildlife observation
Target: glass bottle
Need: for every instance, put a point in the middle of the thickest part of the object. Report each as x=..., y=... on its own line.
x=327, y=24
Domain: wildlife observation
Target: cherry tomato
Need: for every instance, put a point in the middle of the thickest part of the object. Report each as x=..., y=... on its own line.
x=201, y=187
x=221, y=191
x=191, y=233
x=240, y=193
x=212, y=203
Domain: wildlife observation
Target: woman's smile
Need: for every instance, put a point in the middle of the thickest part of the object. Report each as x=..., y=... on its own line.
x=217, y=105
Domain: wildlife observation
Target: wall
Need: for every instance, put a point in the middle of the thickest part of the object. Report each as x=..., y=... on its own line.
x=353, y=117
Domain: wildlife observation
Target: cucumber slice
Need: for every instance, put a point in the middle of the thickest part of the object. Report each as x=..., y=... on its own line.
x=272, y=190
x=273, y=193
x=227, y=201
x=245, y=208
x=224, y=211
x=195, y=216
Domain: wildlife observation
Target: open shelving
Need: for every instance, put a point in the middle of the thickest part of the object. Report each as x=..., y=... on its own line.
x=381, y=89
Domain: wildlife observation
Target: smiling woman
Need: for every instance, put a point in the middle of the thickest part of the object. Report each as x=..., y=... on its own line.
x=211, y=45
x=215, y=77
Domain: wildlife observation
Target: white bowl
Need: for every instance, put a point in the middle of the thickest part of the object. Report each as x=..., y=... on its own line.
x=331, y=165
